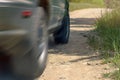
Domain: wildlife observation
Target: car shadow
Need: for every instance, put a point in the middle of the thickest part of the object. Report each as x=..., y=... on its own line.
x=78, y=43
x=82, y=21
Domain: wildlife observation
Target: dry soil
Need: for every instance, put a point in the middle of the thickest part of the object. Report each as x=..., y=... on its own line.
x=76, y=60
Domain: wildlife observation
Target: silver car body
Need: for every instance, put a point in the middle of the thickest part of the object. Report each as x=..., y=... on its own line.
x=15, y=29
x=57, y=12
x=21, y=22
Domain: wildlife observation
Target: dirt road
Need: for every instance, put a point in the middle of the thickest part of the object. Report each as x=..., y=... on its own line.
x=76, y=61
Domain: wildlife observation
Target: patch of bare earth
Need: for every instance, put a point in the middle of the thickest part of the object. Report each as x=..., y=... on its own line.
x=75, y=60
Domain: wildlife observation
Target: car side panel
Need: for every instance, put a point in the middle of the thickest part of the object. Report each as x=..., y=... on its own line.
x=15, y=29
x=57, y=11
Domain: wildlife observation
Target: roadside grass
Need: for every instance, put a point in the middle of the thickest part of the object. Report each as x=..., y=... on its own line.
x=115, y=75
x=89, y=1
x=106, y=40
x=81, y=5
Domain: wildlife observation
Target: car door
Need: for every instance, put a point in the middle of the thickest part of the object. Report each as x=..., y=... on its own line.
x=57, y=10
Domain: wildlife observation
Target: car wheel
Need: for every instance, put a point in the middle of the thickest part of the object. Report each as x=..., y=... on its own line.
x=33, y=63
x=62, y=35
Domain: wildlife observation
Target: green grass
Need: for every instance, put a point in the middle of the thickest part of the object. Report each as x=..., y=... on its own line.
x=107, y=32
x=108, y=29
x=106, y=75
x=116, y=63
x=114, y=75
x=88, y=1
x=76, y=6
x=106, y=40
x=81, y=4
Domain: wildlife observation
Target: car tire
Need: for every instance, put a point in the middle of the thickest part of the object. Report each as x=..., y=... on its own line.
x=33, y=63
x=62, y=35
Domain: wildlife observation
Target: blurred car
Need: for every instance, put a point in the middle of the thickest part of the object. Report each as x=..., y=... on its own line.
x=24, y=29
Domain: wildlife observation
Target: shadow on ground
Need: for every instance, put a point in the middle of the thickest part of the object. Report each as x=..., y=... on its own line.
x=77, y=45
x=82, y=21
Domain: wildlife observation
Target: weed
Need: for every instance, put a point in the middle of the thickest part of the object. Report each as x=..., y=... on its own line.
x=115, y=75
x=108, y=41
